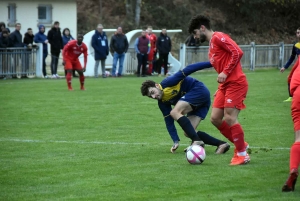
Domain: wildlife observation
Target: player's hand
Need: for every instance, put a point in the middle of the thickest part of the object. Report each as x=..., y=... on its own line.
x=174, y=147
x=282, y=69
x=84, y=68
x=221, y=77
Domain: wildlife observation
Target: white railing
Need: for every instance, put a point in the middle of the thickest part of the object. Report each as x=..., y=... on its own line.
x=255, y=56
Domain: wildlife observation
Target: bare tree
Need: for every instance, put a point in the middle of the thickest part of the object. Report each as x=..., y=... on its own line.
x=137, y=12
x=128, y=9
x=100, y=9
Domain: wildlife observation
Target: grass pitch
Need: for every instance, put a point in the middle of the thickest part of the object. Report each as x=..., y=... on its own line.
x=110, y=143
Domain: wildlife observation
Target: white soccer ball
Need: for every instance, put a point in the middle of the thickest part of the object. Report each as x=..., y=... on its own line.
x=195, y=154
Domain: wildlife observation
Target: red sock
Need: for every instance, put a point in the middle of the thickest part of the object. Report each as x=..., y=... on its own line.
x=295, y=156
x=238, y=137
x=69, y=79
x=81, y=79
x=225, y=130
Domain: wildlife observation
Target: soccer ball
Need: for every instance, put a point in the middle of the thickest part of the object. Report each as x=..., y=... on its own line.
x=195, y=154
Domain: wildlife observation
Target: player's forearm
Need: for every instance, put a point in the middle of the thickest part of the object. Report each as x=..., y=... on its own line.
x=196, y=67
x=171, y=129
x=290, y=61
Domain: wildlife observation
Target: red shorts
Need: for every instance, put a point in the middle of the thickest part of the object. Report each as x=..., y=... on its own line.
x=296, y=109
x=72, y=64
x=232, y=96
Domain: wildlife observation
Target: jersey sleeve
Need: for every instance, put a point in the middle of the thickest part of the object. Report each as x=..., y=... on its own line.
x=180, y=75
x=169, y=121
x=66, y=49
x=85, y=55
x=233, y=49
x=291, y=59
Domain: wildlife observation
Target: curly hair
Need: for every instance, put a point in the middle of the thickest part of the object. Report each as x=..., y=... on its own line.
x=145, y=87
x=197, y=21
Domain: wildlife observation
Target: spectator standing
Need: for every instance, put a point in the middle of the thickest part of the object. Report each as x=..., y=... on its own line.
x=5, y=42
x=142, y=48
x=164, y=46
x=152, y=37
x=16, y=36
x=56, y=43
x=40, y=37
x=66, y=37
x=28, y=41
x=118, y=47
x=2, y=28
x=100, y=45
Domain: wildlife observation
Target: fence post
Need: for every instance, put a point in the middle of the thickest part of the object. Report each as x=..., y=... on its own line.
x=252, y=56
x=182, y=52
x=281, y=54
x=39, y=60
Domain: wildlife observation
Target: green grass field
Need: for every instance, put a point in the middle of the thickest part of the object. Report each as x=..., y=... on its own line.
x=110, y=143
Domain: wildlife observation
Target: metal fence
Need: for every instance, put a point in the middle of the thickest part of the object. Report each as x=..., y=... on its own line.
x=18, y=62
x=255, y=56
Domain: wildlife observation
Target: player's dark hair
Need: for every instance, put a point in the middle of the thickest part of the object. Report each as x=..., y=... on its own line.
x=298, y=28
x=145, y=87
x=197, y=21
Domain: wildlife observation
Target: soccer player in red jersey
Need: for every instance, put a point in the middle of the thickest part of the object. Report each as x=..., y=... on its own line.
x=295, y=149
x=71, y=52
x=152, y=37
x=225, y=55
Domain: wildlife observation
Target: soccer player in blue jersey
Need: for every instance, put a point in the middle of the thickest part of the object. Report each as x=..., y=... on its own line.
x=295, y=52
x=191, y=101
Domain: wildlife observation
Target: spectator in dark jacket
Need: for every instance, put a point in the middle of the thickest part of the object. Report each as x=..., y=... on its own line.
x=100, y=45
x=118, y=47
x=4, y=60
x=66, y=36
x=28, y=38
x=163, y=46
x=16, y=37
x=40, y=37
x=5, y=41
x=56, y=43
x=2, y=27
x=192, y=41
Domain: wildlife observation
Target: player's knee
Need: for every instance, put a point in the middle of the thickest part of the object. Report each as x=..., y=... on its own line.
x=215, y=121
x=230, y=120
x=175, y=114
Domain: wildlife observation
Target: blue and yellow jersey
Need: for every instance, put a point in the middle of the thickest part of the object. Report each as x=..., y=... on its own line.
x=295, y=52
x=174, y=87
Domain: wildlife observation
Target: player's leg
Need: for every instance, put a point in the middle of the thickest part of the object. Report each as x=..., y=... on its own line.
x=178, y=114
x=150, y=61
x=222, y=146
x=114, y=67
x=69, y=70
x=96, y=68
x=121, y=63
x=77, y=66
x=103, y=68
x=217, y=115
x=295, y=149
x=138, y=70
x=234, y=102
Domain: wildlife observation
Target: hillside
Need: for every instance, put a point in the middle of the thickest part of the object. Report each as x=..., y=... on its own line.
x=261, y=21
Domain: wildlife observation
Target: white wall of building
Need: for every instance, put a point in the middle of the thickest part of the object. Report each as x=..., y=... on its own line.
x=64, y=11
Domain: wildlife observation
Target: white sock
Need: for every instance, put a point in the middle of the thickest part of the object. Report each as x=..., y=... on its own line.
x=242, y=153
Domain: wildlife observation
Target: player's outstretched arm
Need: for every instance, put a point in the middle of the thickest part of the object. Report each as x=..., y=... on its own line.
x=180, y=75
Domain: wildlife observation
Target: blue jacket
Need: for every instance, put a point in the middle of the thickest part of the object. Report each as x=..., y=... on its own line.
x=100, y=45
x=66, y=39
x=40, y=37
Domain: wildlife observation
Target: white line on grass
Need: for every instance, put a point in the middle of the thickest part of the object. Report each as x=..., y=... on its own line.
x=113, y=143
